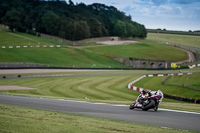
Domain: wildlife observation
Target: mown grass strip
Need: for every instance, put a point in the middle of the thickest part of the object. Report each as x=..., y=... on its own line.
x=108, y=86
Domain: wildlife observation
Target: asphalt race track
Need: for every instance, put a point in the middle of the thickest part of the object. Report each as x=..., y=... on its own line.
x=163, y=118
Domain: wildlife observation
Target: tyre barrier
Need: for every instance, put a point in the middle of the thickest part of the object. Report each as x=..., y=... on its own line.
x=182, y=99
x=135, y=88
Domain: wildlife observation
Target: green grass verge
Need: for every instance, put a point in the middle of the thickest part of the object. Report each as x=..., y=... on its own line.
x=184, y=86
x=191, y=82
x=180, y=39
x=24, y=120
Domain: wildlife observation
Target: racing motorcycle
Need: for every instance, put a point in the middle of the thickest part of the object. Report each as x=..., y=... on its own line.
x=148, y=100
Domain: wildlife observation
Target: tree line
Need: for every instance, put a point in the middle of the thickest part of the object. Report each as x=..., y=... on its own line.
x=68, y=20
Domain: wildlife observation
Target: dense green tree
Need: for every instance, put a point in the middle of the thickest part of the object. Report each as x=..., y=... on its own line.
x=65, y=28
x=12, y=19
x=95, y=27
x=144, y=32
x=130, y=30
x=51, y=22
x=82, y=30
x=120, y=29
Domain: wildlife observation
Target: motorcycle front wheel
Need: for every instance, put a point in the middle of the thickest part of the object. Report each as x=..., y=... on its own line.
x=132, y=106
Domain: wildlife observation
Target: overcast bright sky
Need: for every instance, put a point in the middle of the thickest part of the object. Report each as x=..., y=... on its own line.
x=169, y=14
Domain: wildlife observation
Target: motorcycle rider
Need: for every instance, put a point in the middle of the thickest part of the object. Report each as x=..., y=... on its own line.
x=148, y=93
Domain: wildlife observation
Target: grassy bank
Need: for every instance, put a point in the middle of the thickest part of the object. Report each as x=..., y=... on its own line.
x=61, y=57
x=143, y=50
x=22, y=120
x=98, y=57
x=21, y=39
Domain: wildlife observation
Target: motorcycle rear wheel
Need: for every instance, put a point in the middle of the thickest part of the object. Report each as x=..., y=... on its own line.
x=148, y=106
